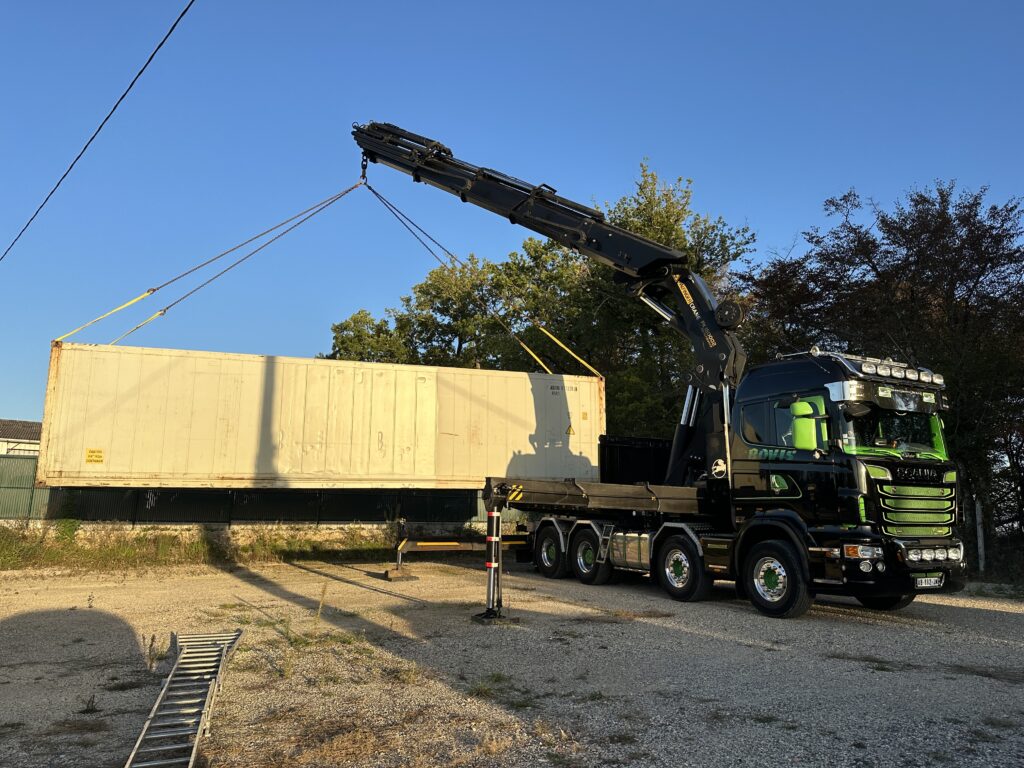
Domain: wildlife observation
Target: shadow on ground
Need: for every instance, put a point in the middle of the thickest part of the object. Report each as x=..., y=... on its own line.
x=75, y=687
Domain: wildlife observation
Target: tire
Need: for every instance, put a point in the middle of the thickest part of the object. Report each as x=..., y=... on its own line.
x=741, y=589
x=774, y=580
x=680, y=570
x=583, y=558
x=548, y=555
x=888, y=603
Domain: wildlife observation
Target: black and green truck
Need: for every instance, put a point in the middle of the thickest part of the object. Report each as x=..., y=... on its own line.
x=817, y=473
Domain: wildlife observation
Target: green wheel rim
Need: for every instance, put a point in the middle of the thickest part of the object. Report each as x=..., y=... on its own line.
x=549, y=554
x=585, y=556
x=677, y=568
x=771, y=581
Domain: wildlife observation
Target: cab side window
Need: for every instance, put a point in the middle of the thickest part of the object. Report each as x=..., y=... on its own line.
x=783, y=425
x=755, y=425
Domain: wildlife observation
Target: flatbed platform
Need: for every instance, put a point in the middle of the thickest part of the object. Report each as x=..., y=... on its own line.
x=575, y=495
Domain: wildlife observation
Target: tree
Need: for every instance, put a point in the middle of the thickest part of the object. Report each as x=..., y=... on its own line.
x=936, y=281
x=462, y=316
x=362, y=337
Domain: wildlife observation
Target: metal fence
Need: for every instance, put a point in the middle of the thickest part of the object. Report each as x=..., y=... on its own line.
x=20, y=500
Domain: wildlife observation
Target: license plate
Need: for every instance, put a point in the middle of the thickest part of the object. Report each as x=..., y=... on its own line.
x=924, y=582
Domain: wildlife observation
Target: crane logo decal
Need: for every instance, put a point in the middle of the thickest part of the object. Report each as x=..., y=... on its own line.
x=709, y=339
x=718, y=469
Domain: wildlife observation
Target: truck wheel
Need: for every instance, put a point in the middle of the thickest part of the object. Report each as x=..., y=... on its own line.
x=741, y=589
x=890, y=603
x=583, y=558
x=548, y=554
x=774, y=581
x=681, y=570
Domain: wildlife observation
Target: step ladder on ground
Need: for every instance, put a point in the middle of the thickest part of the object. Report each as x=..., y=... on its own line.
x=181, y=714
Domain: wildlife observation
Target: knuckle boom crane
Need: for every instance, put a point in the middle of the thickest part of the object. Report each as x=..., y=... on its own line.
x=782, y=478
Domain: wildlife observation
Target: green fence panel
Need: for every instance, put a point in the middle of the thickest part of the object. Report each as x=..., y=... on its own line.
x=19, y=498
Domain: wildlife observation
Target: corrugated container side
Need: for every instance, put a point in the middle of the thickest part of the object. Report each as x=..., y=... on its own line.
x=139, y=417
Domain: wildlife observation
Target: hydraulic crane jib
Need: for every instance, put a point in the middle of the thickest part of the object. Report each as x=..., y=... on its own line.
x=816, y=473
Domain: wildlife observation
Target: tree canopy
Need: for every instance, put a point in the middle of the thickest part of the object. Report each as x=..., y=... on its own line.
x=938, y=281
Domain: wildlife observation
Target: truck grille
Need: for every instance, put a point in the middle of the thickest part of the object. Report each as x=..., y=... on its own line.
x=917, y=511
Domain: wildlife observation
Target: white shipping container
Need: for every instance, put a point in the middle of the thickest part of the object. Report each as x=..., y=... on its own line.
x=137, y=417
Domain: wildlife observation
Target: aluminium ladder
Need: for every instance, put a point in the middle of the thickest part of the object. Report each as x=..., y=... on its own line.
x=181, y=714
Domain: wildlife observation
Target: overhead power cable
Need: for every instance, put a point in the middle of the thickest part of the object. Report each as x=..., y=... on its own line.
x=413, y=228
x=97, y=131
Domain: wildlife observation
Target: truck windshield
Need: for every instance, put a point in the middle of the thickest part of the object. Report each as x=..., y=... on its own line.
x=886, y=432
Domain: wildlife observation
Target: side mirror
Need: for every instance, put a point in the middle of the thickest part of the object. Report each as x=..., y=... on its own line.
x=805, y=426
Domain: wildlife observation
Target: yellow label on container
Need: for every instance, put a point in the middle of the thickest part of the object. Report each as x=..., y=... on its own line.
x=93, y=455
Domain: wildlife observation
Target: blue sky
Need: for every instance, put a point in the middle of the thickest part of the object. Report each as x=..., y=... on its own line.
x=244, y=118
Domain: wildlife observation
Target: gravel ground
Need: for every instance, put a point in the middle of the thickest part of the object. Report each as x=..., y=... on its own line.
x=395, y=674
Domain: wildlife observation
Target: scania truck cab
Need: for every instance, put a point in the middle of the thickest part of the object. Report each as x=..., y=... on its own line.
x=850, y=453
x=815, y=473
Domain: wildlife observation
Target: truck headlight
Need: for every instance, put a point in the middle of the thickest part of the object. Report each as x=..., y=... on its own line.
x=884, y=370
x=940, y=553
x=938, y=378
x=954, y=553
x=861, y=551
x=926, y=377
x=914, y=554
x=869, y=368
x=912, y=374
x=927, y=554
x=898, y=373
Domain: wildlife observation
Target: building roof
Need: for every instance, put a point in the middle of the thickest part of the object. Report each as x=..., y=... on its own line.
x=11, y=429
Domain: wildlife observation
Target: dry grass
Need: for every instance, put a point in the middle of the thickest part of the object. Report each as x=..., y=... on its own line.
x=77, y=725
x=628, y=615
x=58, y=544
x=338, y=740
x=131, y=683
x=406, y=675
x=494, y=745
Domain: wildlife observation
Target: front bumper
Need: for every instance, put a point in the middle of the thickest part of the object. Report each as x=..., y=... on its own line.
x=899, y=576
x=899, y=580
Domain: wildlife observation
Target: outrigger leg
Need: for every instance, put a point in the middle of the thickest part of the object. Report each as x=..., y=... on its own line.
x=492, y=614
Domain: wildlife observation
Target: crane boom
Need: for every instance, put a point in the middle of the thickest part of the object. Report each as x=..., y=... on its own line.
x=655, y=274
